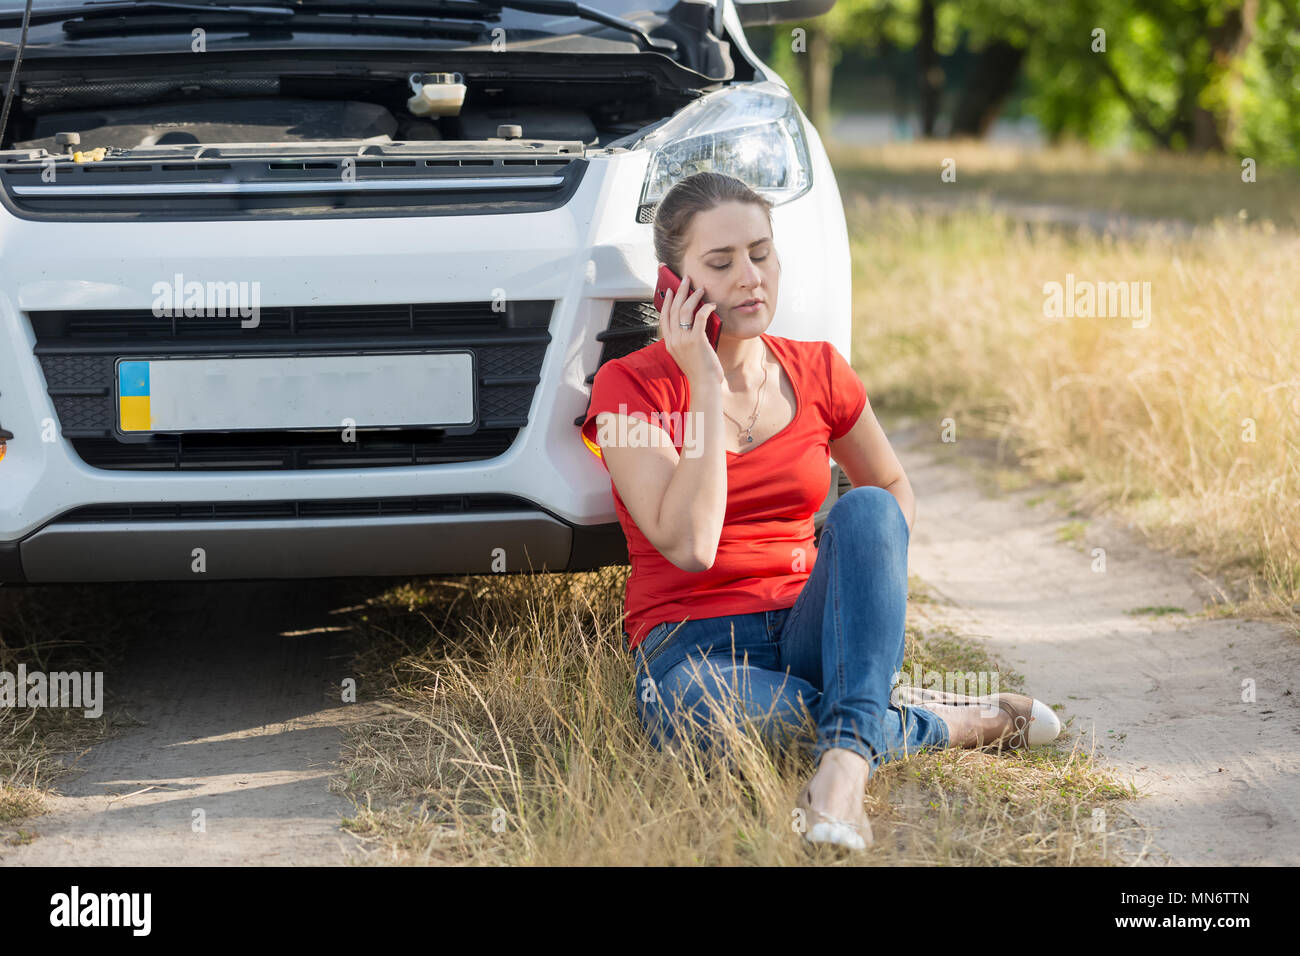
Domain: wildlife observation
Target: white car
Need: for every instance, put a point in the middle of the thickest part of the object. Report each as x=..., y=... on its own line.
x=319, y=289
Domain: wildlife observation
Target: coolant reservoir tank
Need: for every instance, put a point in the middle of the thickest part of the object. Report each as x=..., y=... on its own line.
x=436, y=94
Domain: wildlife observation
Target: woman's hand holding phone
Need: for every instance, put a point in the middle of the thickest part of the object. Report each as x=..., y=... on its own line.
x=690, y=347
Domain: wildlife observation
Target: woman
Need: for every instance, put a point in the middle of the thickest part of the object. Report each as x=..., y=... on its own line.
x=719, y=460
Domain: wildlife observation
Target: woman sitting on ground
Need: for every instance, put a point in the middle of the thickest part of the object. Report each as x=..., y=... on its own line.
x=730, y=603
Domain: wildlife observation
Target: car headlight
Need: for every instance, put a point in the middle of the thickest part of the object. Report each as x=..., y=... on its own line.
x=751, y=132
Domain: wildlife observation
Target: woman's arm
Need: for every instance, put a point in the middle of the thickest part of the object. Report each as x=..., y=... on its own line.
x=678, y=502
x=865, y=455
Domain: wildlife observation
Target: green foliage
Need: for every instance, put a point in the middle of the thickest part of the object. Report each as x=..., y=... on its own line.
x=1270, y=95
x=1174, y=74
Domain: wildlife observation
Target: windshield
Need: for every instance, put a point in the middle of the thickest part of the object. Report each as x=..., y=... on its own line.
x=534, y=23
x=64, y=27
x=620, y=8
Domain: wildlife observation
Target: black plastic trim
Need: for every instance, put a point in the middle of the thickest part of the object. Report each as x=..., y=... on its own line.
x=144, y=512
x=598, y=546
x=11, y=564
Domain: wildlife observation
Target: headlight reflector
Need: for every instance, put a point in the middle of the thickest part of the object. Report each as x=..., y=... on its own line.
x=751, y=132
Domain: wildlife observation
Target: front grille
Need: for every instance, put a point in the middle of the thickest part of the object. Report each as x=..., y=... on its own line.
x=236, y=181
x=278, y=450
x=307, y=508
x=632, y=326
x=77, y=352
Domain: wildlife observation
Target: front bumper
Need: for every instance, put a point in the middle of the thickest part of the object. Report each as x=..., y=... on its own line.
x=506, y=541
x=502, y=539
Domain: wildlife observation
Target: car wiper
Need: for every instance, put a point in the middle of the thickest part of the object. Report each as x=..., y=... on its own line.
x=468, y=8
x=150, y=16
x=130, y=17
x=101, y=18
x=575, y=9
x=282, y=12
x=13, y=18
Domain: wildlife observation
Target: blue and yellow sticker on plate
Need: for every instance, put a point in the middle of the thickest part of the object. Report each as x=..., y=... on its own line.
x=133, y=396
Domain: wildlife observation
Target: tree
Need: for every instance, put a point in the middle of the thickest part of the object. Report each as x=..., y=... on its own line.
x=1216, y=75
x=1173, y=70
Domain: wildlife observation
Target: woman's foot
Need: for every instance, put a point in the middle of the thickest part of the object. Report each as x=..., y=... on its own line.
x=834, y=800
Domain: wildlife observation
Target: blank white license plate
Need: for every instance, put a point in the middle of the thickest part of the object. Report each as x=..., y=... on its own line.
x=284, y=392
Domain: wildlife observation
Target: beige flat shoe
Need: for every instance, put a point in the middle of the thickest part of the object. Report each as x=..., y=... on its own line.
x=1032, y=722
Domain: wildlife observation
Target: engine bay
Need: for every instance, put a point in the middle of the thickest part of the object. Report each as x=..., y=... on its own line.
x=129, y=113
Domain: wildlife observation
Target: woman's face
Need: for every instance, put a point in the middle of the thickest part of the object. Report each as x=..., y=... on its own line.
x=731, y=254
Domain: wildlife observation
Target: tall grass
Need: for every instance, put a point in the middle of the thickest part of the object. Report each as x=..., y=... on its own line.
x=511, y=736
x=1189, y=427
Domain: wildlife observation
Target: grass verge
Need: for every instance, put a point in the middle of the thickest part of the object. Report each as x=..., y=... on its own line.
x=1188, y=426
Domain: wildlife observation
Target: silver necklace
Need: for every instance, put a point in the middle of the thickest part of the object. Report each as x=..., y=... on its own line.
x=748, y=437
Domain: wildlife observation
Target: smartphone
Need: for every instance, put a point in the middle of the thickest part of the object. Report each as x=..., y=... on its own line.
x=669, y=280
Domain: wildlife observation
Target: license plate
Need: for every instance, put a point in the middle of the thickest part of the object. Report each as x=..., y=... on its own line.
x=295, y=392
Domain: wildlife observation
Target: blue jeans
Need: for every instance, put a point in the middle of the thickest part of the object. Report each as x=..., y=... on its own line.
x=834, y=654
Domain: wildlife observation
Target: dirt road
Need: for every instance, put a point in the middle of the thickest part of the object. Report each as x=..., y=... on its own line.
x=1161, y=694
x=240, y=709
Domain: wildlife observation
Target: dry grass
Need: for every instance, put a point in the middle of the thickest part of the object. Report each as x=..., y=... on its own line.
x=511, y=738
x=1142, y=185
x=45, y=628
x=1189, y=427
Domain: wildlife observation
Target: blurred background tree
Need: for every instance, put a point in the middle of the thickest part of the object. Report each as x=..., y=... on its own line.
x=1183, y=75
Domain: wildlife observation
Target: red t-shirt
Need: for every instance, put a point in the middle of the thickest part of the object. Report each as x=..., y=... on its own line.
x=766, y=551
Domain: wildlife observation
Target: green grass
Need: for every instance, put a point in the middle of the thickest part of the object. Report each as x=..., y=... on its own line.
x=1071, y=533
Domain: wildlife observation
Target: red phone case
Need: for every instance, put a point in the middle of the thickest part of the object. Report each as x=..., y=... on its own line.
x=669, y=280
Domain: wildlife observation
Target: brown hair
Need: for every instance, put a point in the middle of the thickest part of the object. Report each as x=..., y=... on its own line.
x=695, y=194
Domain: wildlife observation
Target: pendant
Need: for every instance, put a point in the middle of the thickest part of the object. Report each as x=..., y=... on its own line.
x=750, y=439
